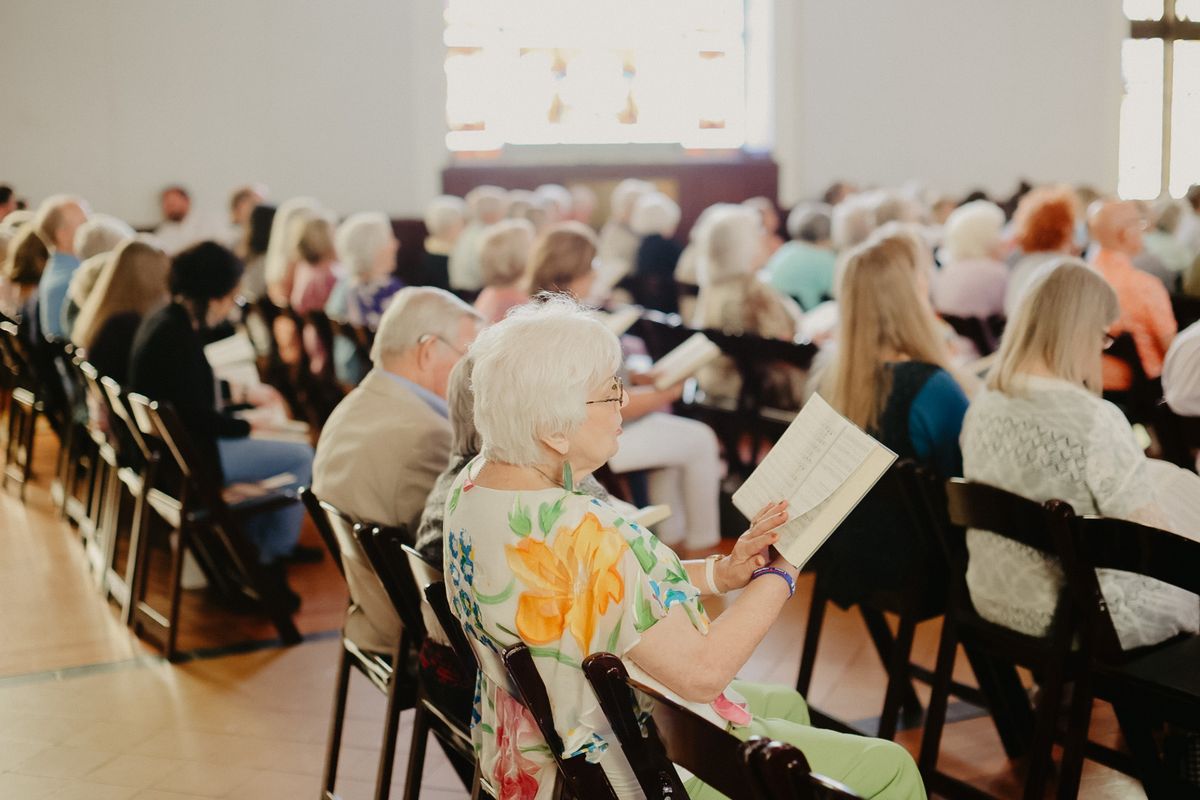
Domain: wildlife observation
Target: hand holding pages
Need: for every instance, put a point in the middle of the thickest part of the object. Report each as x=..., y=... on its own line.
x=234, y=360
x=696, y=352
x=823, y=466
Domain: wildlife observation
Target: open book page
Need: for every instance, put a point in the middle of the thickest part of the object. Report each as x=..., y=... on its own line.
x=621, y=320
x=234, y=360
x=823, y=466
x=696, y=352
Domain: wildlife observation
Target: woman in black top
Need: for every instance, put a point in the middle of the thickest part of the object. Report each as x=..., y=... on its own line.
x=168, y=364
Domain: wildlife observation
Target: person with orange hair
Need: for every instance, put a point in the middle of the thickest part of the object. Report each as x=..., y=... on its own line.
x=1044, y=229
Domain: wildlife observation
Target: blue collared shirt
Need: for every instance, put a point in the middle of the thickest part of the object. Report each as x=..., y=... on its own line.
x=52, y=291
x=431, y=399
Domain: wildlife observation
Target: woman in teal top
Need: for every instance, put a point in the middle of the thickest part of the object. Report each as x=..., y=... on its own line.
x=804, y=267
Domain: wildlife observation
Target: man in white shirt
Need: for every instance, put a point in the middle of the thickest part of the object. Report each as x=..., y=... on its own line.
x=181, y=227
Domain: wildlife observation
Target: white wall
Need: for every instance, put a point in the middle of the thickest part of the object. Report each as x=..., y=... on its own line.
x=114, y=98
x=957, y=93
x=343, y=100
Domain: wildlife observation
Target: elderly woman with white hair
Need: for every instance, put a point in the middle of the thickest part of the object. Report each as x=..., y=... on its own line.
x=973, y=279
x=733, y=299
x=529, y=559
x=445, y=218
x=618, y=243
x=656, y=218
x=486, y=205
x=94, y=239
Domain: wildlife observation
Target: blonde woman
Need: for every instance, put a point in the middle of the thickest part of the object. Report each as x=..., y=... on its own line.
x=503, y=255
x=973, y=279
x=279, y=264
x=733, y=299
x=314, y=277
x=890, y=377
x=563, y=260
x=132, y=284
x=1041, y=430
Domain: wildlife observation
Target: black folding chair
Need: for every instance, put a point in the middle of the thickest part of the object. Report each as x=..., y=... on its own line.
x=781, y=772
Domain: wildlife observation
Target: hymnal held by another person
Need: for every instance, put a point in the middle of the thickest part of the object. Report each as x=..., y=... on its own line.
x=695, y=353
x=823, y=465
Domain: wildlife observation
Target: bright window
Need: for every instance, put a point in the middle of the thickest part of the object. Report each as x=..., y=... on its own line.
x=1160, y=111
x=592, y=72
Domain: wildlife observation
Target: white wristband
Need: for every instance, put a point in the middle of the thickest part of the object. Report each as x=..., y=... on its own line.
x=710, y=573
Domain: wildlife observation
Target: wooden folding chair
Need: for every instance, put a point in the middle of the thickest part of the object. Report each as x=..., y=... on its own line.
x=1149, y=687
x=979, y=331
x=388, y=672
x=781, y=772
x=24, y=407
x=205, y=524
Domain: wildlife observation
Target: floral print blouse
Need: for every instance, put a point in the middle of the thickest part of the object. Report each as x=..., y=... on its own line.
x=566, y=574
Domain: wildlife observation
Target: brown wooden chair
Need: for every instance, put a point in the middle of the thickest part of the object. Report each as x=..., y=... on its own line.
x=577, y=777
x=780, y=771
x=1150, y=686
x=983, y=333
x=388, y=672
x=1053, y=658
x=195, y=508
x=1140, y=400
x=24, y=408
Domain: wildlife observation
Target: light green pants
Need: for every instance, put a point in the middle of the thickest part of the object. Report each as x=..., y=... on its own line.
x=873, y=768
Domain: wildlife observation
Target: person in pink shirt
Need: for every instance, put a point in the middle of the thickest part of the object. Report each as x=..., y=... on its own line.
x=1116, y=227
x=503, y=255
x=973, y=279
x=315, y=276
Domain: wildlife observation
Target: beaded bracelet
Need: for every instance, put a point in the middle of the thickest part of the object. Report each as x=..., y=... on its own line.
x=776, y=571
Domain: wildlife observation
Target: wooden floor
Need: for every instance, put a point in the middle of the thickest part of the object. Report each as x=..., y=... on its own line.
x=87, y=711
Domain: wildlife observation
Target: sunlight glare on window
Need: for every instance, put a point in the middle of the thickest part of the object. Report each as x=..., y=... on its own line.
x=1140, y=159
x=1143, y=9
x=582, y=71
x=1185, y=118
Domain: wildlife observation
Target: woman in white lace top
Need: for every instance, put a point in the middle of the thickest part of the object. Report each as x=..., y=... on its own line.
x=1042, y=431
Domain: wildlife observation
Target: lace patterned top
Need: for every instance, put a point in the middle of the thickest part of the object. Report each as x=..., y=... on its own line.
x=1059, y=441
x=565, y=573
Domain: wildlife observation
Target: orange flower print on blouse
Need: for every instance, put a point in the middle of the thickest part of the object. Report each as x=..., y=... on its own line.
x=570, y=583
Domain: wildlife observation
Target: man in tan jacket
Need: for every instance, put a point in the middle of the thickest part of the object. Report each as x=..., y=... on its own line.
x=386, y=443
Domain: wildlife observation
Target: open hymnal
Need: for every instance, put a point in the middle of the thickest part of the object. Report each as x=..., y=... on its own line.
x=823, y=466
x=696, y=352
x=621, y=320
x=234, y=360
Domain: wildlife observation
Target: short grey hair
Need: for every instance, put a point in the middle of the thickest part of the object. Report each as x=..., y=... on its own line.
x=100, y=234
x=730, y=244
x=851, y=222
x=49, y=216
x=360, y=238
x=533, y=373
x=465, y=441
x=810, y=222
x=655, y=213
x=486, y=204
x=624, y=196
x=417, y=311
x=443, y=213
x=972, y=231
x=504, y=251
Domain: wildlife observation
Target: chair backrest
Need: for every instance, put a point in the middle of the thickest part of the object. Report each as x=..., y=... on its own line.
x=660, y=332
x=312, y=504
x=781, y=772
x=435, y=595
x=122, y=418
x=983, y=507
x=384, y=547
x=1086, y=544
x=584, y=779
x=979, y=331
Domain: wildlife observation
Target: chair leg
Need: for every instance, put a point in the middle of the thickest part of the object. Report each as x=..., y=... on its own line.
x=383, y=779
x=175, y=588
x=935, y=717
x=416, y=752
x=885, y=645
x=334, y=747
x=1138, y=733
x=1076, y=740
x=1007, y=700
x=137, y=563
x=812, y=636
x=1041, y=752
x=898, y=679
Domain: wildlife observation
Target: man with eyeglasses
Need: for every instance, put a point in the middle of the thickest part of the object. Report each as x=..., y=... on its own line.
x=386, y=443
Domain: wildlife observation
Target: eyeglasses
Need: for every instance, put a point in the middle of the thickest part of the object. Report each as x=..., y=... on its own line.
x=1108, y=341
x=618, y=388
x=426, y=337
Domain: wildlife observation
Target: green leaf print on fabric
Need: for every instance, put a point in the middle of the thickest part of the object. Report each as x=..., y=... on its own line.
x=496, y=599
x=643, y=615
x=519, y=521
x=676, y=573
x=556, y=654
x=646, y=559
x=483, y=726
x=614, y=637
x=457, y=493
x=548, y=514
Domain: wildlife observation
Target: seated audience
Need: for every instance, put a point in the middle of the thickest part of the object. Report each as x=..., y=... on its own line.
x=851, y=221
x=734, y=300
x=891, y=377
x=445, y=218
x=253, y=251
x=1145, y=305
x=242, y=203
x=23, y=267
x=1188, y=230
x=132, y=284
x=563, y=260
x=1042, y=431
x=655, y=218
x=314, y=277
x=574, y=578
x=583, y=203
x=1044, y=231
x=486, y=205
x=1181, y=374
x=57, y=219
x=972, y=280
x=770, y=221
x=803, y=268
x=554, y=201
x=279, y=265
x=182, y=226
x=617, y=245
x=95, y=238
x=10, y=293
x=1164, y=256
x=167, y=364
x=8, y=200
x=503, y=255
